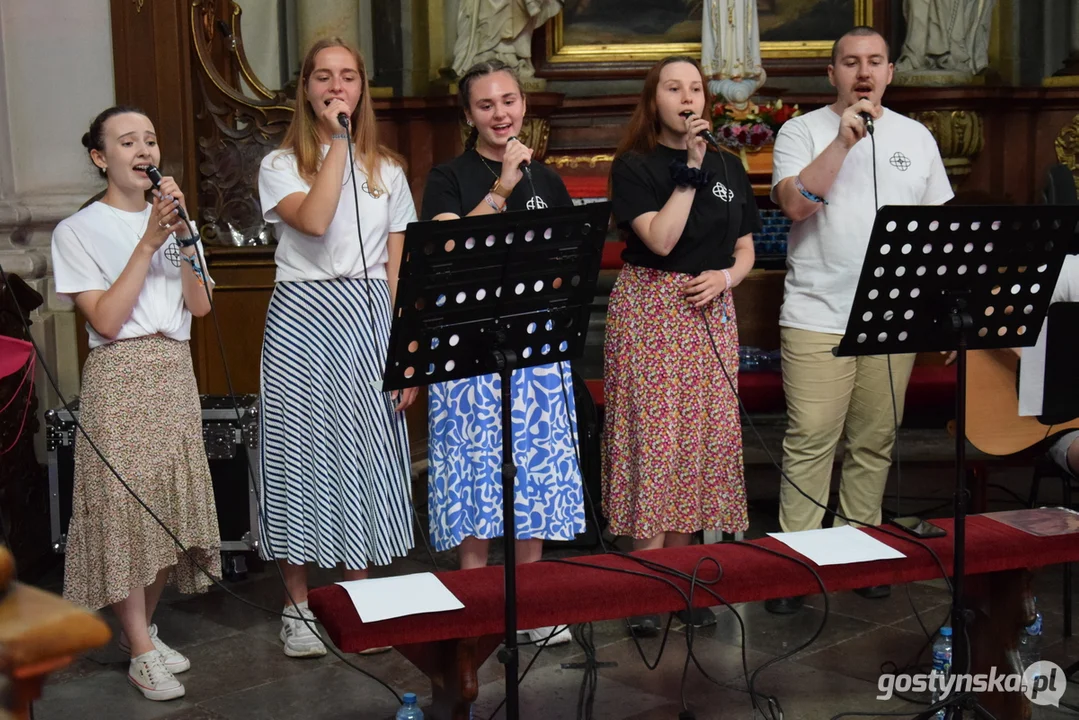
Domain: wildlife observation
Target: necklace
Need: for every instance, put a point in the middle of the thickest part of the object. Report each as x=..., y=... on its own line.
x=489, y=168
x=124, y=222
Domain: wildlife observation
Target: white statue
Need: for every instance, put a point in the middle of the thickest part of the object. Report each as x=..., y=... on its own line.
x=946, y=36
x=731, y=49
x=500, y=29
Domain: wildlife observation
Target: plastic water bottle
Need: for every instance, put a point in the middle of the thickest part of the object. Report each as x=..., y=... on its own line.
x=1030, y=641
x=410, y=710
x=942, y=663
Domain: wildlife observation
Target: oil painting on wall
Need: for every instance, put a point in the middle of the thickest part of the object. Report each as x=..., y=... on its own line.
x=789, y=28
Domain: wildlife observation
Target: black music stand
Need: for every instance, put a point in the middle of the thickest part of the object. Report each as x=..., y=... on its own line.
x=490, y=294
x=953, y=278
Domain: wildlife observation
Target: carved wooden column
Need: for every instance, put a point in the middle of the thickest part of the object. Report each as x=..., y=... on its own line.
x=959, y=136
x=1067, y=148
x=152, y=66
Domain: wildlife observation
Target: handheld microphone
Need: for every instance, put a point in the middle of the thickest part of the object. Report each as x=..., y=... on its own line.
x=706, y=133
x=342, y=118
x=524, y=163
x=867, y=119
x=155, y=179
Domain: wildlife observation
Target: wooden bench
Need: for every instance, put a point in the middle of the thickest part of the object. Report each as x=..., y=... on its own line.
x=450, y=647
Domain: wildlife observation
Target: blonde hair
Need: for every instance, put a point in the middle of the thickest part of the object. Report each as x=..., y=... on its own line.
x=302, y=135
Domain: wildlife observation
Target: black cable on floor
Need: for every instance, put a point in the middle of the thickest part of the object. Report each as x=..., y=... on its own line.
x=176, y=541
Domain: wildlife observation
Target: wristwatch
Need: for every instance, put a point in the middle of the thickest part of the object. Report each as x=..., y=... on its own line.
x=500, y=191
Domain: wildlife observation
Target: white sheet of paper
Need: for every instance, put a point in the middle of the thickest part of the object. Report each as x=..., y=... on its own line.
x=837, y=546
x=384, y=598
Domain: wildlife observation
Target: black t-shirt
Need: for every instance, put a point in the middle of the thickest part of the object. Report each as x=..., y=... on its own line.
x=460, y=185
x=722, y=212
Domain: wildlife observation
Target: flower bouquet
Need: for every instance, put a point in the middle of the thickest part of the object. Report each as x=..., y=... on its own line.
x=752, y=127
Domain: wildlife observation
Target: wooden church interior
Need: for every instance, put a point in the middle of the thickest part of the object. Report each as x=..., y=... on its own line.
x=189, y=64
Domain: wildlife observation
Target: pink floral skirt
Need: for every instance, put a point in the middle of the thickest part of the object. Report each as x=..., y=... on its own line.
x=672, y=441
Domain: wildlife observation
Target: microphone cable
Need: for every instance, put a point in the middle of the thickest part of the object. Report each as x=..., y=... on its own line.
x=746, y=416
x=387, y=401
x=771, y=702
x=176, y=541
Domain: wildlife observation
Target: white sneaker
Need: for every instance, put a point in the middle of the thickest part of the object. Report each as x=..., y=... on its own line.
x=299, y=638
x=539, y=636
x=175, y=662
x=147, y=672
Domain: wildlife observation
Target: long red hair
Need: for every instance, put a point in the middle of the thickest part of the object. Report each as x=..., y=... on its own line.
x=642, y=132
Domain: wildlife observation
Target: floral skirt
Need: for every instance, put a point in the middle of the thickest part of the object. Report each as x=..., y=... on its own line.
x=140, y=406
x=672, y=441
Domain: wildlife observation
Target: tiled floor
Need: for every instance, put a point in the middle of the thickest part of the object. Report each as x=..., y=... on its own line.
x=238, y=669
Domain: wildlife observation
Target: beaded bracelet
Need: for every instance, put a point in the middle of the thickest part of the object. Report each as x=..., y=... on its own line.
x=685, y=176
x=340, y=136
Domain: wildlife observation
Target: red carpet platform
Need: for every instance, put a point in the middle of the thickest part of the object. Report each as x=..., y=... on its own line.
x=450, y=646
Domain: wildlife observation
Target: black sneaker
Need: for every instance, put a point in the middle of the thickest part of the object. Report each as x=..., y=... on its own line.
x=784, y=606
x=697, y=617
x=644, y=625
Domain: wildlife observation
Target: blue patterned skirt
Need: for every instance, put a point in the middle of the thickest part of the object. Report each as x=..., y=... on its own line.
x=465, y=457
x=334, y=454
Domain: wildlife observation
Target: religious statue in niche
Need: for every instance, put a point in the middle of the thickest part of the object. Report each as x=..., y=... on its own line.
x=501, y=29
x=731, y=50
x=947, y=41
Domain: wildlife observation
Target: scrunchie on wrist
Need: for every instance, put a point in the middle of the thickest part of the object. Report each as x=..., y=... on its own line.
x=685, y=176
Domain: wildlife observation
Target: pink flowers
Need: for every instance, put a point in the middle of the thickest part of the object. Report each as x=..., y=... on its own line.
x=755, y=126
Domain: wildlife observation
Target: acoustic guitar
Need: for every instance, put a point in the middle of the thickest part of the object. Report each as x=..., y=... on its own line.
x=994, y=425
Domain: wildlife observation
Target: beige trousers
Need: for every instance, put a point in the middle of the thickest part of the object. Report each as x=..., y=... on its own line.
x=828, y=396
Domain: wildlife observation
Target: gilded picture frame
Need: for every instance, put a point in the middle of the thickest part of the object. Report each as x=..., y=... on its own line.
x=563, y=49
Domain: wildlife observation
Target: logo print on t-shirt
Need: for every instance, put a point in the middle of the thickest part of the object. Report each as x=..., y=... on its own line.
x=722, y=192
x=172, y=253
x=535, y=203
x=900, y=162
x=373, y=192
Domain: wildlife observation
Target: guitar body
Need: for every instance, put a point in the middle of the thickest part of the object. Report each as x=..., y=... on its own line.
x=994, y=425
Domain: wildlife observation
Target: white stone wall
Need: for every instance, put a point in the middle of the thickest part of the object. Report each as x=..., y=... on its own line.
x=56, y=74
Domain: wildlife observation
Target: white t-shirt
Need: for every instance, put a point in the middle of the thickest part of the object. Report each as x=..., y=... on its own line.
x=92, y=247
x=337, y=253
x=1032, y=367
x=825, y=251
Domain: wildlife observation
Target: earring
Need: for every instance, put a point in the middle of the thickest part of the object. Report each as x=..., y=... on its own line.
x=468, y=122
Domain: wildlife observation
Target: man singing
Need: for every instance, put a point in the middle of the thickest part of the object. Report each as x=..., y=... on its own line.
x=823, y=179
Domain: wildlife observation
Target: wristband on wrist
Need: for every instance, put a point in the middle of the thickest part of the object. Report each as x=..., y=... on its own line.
x=805, y=193
x=187, y=241
x=727, y=276
x=340, y=136
x=494, y=205
x=499, y=190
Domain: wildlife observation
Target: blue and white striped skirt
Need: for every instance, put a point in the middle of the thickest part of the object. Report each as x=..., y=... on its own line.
x=334, y=454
